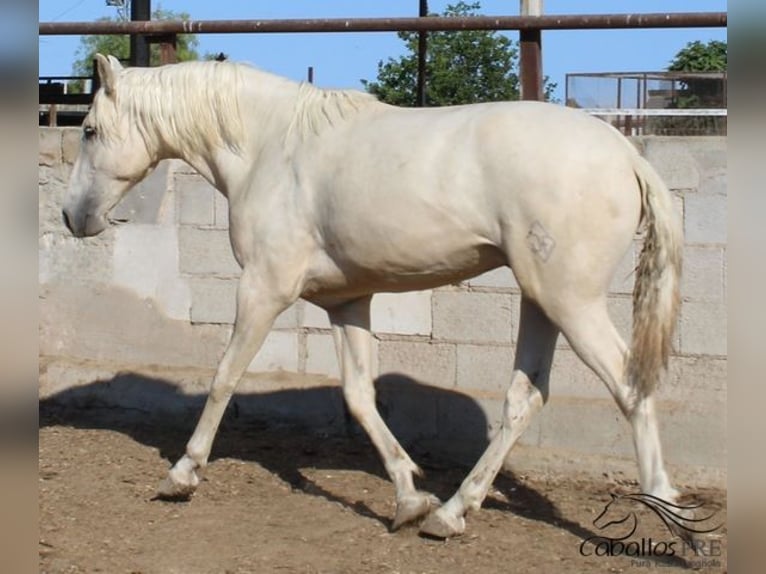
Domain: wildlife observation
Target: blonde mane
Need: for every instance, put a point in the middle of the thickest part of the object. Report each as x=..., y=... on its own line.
x=194, y=105
x=198, y=105
x=318, y=109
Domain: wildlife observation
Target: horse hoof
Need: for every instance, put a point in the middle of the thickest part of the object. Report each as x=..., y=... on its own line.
x=177, y=487
x=442, y=525
x=412, y=507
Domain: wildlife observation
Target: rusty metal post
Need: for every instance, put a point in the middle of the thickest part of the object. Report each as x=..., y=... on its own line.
x=422, y=54
x=168, y=48
x=140, y=10
x=531, y=57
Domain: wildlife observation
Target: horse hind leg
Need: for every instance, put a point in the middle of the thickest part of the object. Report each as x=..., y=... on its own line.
x=526, y=395
x=596, y=341
x=354, y=344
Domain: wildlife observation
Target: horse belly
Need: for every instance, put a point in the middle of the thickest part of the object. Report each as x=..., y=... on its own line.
x=404, y=262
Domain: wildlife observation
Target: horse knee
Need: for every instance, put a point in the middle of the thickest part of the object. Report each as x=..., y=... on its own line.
x=522, y=400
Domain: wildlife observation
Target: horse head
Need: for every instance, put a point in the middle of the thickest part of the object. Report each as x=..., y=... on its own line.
x=113, y=156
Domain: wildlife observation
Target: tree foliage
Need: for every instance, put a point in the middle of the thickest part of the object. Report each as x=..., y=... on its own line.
x=699, y=57
x=461, y=67
x=119, y=46
x=697, y=91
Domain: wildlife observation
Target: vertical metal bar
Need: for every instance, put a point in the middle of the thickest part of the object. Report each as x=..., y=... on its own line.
x=168, y=53
x=619, y=92
x=531, y=59
x=95, y=83
x=139, y=46
x=422, y=52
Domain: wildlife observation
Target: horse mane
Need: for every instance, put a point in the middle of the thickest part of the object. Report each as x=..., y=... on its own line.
x=317, y=109
x=197, y=105
x=194, y=105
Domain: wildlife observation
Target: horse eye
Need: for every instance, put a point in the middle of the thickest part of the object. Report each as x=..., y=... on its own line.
x=89, y=132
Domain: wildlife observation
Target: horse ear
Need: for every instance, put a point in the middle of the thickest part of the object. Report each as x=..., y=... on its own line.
x=116, y=65
x=107, y=74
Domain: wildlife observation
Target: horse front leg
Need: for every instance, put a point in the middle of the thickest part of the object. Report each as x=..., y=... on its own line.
x=258, y=305
x=351, y=323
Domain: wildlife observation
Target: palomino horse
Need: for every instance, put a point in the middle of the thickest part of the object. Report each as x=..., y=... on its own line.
x=334, y=196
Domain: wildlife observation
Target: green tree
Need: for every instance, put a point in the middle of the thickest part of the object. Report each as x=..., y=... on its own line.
x=699, y=57
x=119, y=46
x=461, y=67
x=696, y=91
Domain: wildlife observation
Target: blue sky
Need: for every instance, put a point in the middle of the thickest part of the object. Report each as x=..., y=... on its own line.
x=341, y=60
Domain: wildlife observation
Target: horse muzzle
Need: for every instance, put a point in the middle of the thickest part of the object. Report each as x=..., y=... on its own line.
x=83, y=225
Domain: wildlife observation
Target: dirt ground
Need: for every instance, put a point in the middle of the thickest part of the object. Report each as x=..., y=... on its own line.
x=290, y=500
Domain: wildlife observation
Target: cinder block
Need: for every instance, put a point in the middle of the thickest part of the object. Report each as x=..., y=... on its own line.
x=590, y=426
x=703, y=328
x=697, y=381
x=142, y=204
x=321, y=357
x=49, y=152
x=145, y=261
x=500, y=278
x=402, y=313
x=710, y=154
x=693, y=438
x=221, y=211
x=214, y=300
x=484, y=368
x=468, y=422
x=571, y=378
x=314, y=317
x=716, y=184
x=279, y=351
x=427, y=362
x=625, y=274
x=473, y=317
x=52, y=187
x=621, y=312
x=70, y=144
x=206, y=252
x=703, y=273
x=673, y=161
x=66, y=259
x=408, y=407
x=288, y=319
x=196, y=200
x=705, y=218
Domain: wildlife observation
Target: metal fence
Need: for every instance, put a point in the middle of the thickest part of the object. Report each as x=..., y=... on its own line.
x=656, y=103
x=164, y=32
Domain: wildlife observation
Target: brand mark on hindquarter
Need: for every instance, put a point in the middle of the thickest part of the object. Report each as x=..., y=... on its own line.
x=540, y=241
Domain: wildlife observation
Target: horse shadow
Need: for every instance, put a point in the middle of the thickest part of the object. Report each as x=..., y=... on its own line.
x=287, y=430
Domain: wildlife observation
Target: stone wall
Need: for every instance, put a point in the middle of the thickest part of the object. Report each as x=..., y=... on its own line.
x=159, y=291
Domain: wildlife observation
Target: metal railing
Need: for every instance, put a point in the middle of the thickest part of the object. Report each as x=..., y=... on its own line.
x=165, y=32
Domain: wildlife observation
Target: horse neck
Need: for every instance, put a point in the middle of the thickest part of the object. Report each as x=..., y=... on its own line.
x=265, y=117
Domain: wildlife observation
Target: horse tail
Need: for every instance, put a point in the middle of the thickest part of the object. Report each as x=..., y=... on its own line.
x=656, y=294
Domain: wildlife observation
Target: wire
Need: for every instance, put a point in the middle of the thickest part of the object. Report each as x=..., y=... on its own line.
x=68, y=10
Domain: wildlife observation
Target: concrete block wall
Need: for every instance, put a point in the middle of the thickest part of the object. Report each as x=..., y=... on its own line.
x=174, y=257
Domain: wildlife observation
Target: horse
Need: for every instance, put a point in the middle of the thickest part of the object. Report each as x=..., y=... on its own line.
x=334, y=196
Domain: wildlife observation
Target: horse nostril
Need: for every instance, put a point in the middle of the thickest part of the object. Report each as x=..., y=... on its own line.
x=68, y=223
